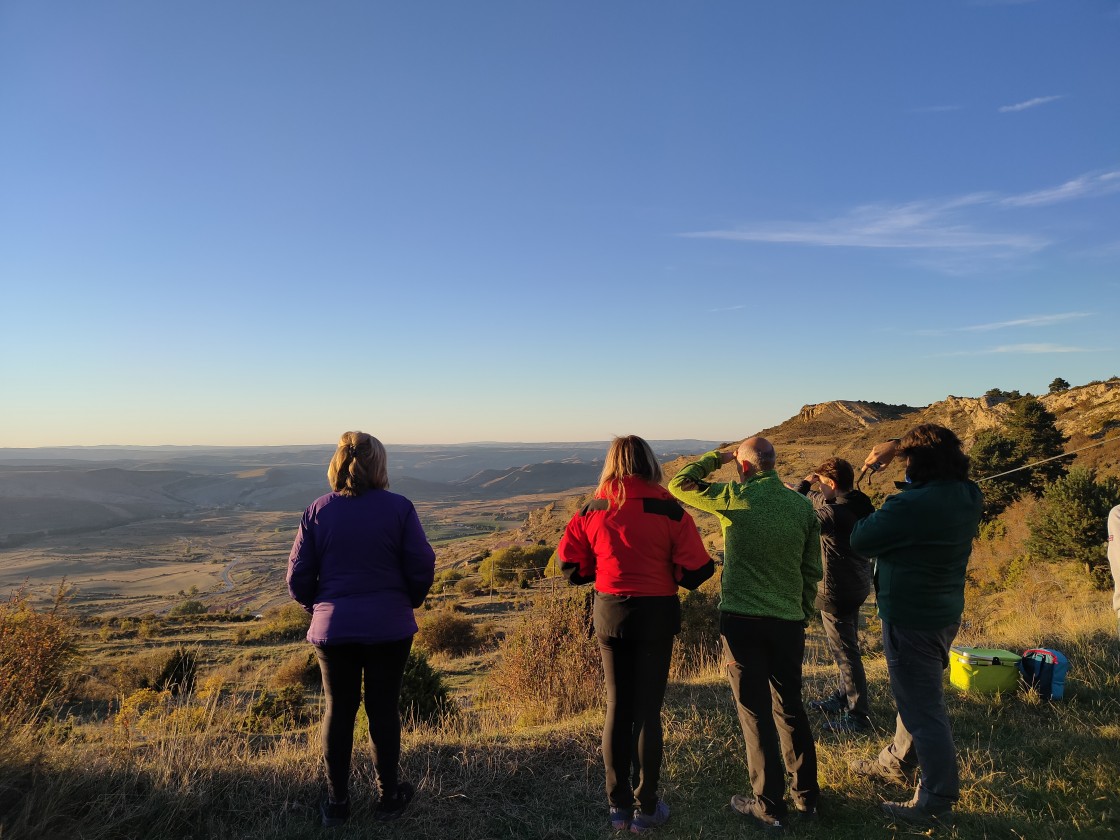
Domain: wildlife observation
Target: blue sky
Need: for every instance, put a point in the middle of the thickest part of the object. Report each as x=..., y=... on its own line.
x=267, y=222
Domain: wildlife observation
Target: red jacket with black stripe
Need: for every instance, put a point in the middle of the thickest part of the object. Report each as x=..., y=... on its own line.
x=648, y=546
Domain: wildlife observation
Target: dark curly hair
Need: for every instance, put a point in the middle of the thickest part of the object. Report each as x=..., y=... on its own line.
x=933, y=453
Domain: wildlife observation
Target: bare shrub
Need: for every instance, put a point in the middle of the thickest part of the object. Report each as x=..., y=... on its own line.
x=444, y=631
x=549, y=665
x=468, y=586
x=37, y=648
x=300, y=669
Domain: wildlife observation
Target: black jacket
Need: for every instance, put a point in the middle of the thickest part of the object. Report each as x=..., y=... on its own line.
x=847, y=576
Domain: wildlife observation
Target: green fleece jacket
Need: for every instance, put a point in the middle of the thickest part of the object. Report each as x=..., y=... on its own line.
x=772, y=541
x=920, y=540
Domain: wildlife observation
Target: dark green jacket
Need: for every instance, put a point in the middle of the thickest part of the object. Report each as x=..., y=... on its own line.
x=920, y=540
x=772, y=545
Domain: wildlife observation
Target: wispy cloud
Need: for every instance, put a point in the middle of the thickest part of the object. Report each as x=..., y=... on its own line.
x=914, y=225
x=932, y=225
x=729, y=308
x=1030, y=103
x=1084, y=186
x=1033, y=321
x=934, y=109
x=1021, y=350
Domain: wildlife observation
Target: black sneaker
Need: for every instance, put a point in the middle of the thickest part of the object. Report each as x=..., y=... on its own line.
x=333, y=813
x=850, y=724
x=392, y=807
x=830, y=705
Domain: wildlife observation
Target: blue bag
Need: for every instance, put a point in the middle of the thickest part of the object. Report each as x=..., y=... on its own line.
x=1044, y=671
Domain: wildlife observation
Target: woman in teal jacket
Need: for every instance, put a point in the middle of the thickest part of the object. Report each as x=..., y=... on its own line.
x=920, y=540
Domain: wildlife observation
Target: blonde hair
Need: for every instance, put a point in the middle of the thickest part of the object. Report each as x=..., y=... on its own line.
x=628, y=455
x=359, y=464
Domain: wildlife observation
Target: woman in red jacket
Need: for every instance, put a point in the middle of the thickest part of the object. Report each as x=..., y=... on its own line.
x=637, y=544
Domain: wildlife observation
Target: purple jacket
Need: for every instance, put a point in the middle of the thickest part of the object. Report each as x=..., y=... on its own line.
x=360, y=565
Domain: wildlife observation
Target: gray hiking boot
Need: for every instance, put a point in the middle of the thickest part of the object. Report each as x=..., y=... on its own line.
x=914, y=814
x=881, y=773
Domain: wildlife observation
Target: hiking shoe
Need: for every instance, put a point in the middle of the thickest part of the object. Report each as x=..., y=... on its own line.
x=881, y=773
x=806, y=813
x=850, y=724
x=751, y=808
x=333, y=813
x=392, y=807
x=830, y=705
x=643, y=822
x=915, y=814
x=620, y=818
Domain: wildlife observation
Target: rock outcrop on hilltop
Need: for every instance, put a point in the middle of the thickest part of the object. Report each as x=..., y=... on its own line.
x=849, y=428
x=1087, y=411
x=850, y=414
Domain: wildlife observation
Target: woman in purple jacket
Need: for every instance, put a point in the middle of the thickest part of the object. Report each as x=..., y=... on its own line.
x=360, y=565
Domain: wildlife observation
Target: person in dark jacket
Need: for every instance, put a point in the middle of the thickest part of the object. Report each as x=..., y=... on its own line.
x=843, y=589
x=920, y=540
x=360, y=564
x=636, y=543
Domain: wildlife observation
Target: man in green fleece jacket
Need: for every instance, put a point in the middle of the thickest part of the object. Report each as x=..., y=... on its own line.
x=772, y=563
x=920, y=540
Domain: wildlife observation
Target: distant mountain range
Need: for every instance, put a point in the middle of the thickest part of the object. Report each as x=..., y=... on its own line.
x=74, y=489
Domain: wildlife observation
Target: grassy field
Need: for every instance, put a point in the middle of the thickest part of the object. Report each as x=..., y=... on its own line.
x=1030, y=769
x=100, y=765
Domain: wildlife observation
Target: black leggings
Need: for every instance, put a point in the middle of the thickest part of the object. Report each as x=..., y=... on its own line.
x=342, y=667
x=636, y=672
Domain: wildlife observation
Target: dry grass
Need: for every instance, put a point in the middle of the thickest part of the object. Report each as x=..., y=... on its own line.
x=529, y=768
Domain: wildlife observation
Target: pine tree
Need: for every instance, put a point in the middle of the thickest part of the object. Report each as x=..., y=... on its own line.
x=1035, y=434
x=993, y=453
x=1070, y=522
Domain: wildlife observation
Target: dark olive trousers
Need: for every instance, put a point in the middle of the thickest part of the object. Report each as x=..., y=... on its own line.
x=763, y=659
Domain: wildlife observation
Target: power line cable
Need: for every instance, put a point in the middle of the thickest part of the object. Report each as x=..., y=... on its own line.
x=1047, y=460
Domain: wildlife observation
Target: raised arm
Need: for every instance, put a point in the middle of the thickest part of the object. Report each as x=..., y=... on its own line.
x=690, y=487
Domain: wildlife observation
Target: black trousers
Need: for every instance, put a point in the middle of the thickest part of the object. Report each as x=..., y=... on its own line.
x=343, y=667
x=841, y=631
x=636, y=671
x=763, y=658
